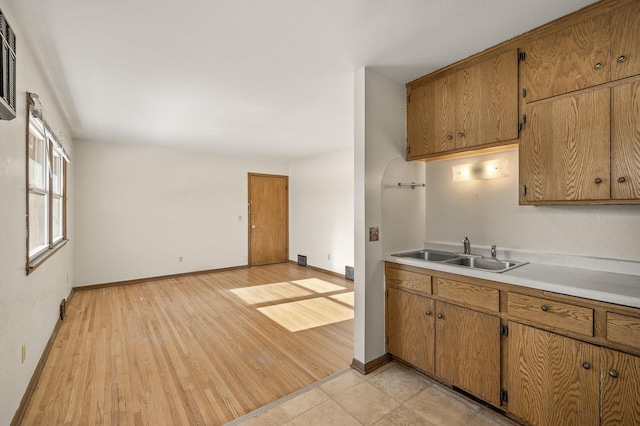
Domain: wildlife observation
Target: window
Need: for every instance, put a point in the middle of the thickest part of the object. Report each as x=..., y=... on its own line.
x=7, y=70
x=46, y=189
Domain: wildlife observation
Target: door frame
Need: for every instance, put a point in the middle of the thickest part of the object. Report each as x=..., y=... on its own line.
x=249, y=175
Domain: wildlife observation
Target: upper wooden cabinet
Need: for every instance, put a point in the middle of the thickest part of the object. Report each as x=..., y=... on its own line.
x=591, y=52
x=565, y=152
x=465, y=109
x=570, y=59
x=583, y=147
x=625, y=141
x=625, y=41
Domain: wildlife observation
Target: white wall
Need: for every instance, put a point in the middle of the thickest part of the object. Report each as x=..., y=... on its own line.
x=379, y=139
x=140, y=208
x=321, y=210
x=488, y=212
x=28, y=304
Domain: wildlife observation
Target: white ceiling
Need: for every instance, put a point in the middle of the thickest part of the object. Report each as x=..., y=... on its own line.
x=261, y=78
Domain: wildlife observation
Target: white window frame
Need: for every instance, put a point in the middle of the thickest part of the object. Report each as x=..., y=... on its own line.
x=53, y=186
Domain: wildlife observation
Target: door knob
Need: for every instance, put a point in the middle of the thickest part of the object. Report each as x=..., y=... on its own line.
x=253, y=227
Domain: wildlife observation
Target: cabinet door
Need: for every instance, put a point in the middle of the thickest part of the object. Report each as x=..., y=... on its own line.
x=420, y=112
x=567, y=148
x=625, y=141
x=620, y=388
x=410, y=328
x=487, y=101
x=468, y=350
x=625, y=41
x=552, y=380
x=570, y=59
x=444, y=120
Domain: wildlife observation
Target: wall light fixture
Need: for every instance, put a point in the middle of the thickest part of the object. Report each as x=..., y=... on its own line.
x=490, y=169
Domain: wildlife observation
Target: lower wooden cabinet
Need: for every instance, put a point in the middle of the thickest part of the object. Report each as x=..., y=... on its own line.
x=544, y=359
x=410, y=328
x=620, y=388
x=556, y=380
x=552, y=380
x=468, y=350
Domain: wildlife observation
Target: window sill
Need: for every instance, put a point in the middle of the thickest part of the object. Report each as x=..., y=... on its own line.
x=33, y=264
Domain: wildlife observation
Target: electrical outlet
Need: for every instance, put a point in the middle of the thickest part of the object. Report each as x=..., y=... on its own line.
x=239, y=218
x=24, y=352
x=180, y=259
x=329, y=256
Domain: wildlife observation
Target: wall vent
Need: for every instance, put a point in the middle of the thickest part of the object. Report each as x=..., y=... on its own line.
x=348, y=272
x=302, y=260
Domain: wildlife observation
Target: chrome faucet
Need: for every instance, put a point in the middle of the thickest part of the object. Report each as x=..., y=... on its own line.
x=467, y=245
x=493, y=251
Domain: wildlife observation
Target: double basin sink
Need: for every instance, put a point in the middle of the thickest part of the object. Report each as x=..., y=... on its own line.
x=463, y=260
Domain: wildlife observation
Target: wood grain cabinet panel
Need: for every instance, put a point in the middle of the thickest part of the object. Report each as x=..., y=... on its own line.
x=420, y=283
x=551, y=313
x=566, y=148
x=468, y=350
x=469, y=294
x=625, y=41
x=570, y=59
x=620, y=388
x=474, y=106
x=625, y=141
x=420, y=130
x=623, y=329
x=410, y=328
x=552, y=380
x=487, y=101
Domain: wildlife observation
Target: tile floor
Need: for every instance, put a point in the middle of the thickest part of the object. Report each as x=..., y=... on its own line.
x=391, y=395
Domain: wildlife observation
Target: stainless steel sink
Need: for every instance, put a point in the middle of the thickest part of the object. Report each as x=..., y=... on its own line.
x=493, y=265
x=430, y=255
x=463, y=260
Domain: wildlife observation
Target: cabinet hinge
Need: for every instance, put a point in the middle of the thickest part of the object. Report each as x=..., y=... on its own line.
x=524, y=190
x=522, y=56
x=408, y=150
x=522, y=123
x=524, y=93
x=408, y=98
x=387, y=294
x=504, y=396
x=504, y=330
x=386, y=340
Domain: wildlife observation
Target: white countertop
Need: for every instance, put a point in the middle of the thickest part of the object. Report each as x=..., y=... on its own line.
x=621, y=289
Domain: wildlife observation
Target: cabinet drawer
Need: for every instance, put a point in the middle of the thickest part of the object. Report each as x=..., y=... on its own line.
x=409, y=280
x=623, y=329
x=551, y=313
x=469, y=294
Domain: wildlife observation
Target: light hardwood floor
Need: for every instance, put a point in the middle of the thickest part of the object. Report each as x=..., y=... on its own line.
x=199, y=350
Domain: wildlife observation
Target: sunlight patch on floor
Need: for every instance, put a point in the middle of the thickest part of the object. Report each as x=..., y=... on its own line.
x=346, y=298
x=270, y=292
x=311, y=313
x=319, y=285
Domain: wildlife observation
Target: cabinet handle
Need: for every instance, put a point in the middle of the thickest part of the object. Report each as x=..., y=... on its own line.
x=449, y=137
x=622, y=179
x=597, y=66
x=428, y=313
x=544, y=308
x=586, y=365
x=622, y=58
x=440, y=315
x=613, y=374
x=598, y=181
x=460, y=134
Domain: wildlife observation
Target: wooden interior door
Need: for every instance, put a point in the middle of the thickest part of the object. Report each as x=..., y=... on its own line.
x=268, y=219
